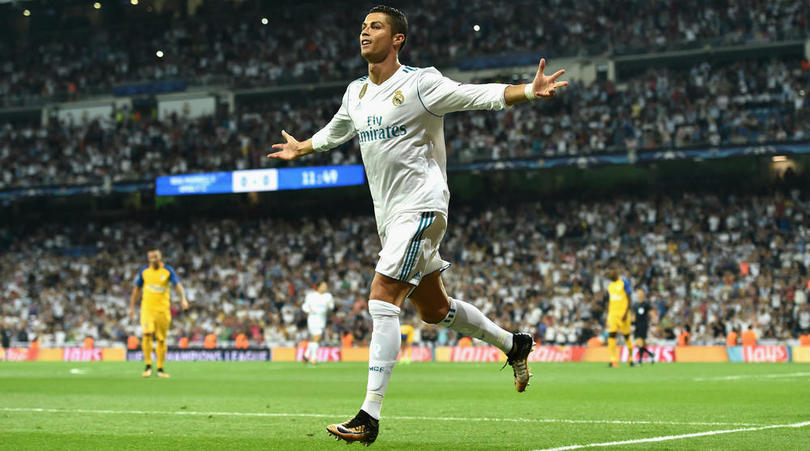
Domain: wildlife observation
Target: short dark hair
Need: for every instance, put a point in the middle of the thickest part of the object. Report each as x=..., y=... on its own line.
x=399, y=23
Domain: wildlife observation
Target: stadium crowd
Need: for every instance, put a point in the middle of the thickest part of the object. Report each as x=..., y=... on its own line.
x=243, y=44
x=740, y=103
x=714, y=263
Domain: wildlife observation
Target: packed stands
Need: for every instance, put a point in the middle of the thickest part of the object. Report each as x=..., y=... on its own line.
x=710, y=261
x=741, y=103
x=229, y=43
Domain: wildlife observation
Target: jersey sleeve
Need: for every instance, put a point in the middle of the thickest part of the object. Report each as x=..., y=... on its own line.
x=339, y=130
x=441, y=95
x=139, y=278
x=627, y=290
x=172, y=275
x=306, y=305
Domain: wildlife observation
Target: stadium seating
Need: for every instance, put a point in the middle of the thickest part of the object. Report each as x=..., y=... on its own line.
x=706, y=105
x=226, y=43
x=709, y=261
x=68, y=283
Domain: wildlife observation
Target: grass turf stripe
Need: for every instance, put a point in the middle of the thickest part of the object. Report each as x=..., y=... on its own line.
x=386, y=417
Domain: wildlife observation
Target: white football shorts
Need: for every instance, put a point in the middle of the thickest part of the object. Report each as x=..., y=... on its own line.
x=410, y=246
x=315, y=326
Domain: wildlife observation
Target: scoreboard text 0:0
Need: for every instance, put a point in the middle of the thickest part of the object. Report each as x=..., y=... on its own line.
x=255, y=180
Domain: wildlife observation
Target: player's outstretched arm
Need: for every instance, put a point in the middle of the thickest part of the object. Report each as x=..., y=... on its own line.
x=291, y=149
x=542, y=86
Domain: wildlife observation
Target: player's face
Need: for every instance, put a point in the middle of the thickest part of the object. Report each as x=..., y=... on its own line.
x=322, y=287
x=376, y=38
x=154, y=258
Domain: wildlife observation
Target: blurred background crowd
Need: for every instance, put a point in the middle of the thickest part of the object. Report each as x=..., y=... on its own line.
x=711, y=260
x=245, y=44
x=741, y=103
x=714, y=263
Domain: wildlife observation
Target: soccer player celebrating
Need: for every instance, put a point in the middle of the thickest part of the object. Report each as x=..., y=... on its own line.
x=316, y=305
x=154, y=280
x=642, y=325
x=618, y=320
x=397, y=112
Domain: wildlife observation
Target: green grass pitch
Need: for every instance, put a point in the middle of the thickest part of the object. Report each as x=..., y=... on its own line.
x=429, y=406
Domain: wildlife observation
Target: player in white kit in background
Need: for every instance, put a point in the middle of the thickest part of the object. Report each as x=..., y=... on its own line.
x=397, y=112
x=317, y=304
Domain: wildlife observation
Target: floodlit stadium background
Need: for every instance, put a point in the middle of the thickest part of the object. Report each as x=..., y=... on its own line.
x=680, y=149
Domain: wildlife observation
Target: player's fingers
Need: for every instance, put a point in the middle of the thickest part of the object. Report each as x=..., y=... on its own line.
x=555, y=75
x=280, y=156
x=560, y=83
x=278, y=146
x=287, y=136
x=542, y=66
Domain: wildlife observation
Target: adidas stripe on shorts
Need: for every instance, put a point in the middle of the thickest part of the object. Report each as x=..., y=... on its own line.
x=410, y=246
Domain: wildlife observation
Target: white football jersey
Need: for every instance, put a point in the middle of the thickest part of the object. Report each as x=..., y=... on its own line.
x=400, y=125
x=317, y=305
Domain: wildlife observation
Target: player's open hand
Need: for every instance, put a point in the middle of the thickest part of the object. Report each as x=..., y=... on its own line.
x=289, y=150
x=184, y=304
x=132, y=314
x=545, y=85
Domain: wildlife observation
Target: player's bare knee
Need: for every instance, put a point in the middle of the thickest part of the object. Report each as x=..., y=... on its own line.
x=435, y=315
x=387, y=289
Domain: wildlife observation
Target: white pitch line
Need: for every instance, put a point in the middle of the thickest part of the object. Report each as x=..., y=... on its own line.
x=750, y=376
x=677, y=437
x=387, y=417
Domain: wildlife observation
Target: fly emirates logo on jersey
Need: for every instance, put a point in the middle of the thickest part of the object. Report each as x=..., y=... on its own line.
x=377, y=131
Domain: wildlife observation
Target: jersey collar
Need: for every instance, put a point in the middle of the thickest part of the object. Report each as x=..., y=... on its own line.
x=393, y=76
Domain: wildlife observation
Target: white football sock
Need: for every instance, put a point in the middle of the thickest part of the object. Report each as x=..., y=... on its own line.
x=312, y=350
x=383, y=350
x=466, y=319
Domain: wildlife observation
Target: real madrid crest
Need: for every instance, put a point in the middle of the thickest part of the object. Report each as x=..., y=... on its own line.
x=363, y=91
x=398, y=99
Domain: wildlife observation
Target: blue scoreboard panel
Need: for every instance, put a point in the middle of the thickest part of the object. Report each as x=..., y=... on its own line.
x=260, y=180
